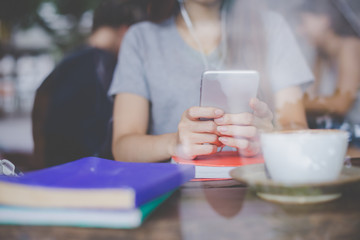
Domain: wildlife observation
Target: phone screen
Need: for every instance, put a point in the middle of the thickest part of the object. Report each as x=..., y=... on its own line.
x=230, y=91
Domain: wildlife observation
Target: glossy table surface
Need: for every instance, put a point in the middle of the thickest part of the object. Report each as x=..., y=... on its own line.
x=224, y=210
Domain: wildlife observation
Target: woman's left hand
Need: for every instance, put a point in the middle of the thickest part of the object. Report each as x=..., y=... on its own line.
x=241, y=130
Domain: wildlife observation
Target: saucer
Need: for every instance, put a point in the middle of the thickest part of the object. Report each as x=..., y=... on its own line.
x=255, y=177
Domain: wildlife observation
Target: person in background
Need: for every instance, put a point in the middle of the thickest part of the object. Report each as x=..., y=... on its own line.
x=333, y=100
x=156, y=83
x=71, y=111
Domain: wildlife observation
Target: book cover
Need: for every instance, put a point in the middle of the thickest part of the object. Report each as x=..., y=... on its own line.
x=217, y=165
x=95, y=218
x=94, y=183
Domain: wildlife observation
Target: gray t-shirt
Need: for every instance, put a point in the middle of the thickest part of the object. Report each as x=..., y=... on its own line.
x=157, y=64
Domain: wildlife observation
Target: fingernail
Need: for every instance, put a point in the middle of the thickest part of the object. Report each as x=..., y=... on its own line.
x=219, y=112
x=219, y=120
x=222, y=129
x=223, y=139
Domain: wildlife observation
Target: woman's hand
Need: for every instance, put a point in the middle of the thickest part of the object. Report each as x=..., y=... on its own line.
x=195, y=136
x=241, y=130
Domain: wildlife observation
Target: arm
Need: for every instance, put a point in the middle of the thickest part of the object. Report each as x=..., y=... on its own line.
x=130, y=142
x=348, y=83
x=131, y=114
x=289, y=107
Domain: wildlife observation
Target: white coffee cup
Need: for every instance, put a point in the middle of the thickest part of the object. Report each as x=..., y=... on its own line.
x=304, y=156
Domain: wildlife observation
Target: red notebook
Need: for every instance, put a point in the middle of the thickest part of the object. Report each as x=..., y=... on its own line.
x=218, y=165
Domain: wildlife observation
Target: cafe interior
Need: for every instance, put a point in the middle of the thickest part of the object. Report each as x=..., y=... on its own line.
x=224, y=119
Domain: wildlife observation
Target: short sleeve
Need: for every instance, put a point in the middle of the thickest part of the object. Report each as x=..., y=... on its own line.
x=286, y=64
x=129, y=74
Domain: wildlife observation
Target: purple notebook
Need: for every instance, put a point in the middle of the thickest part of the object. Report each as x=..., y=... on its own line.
x=95, y=175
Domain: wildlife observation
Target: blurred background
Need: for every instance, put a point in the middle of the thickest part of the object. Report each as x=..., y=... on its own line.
x=34, y=37
x=36, y=34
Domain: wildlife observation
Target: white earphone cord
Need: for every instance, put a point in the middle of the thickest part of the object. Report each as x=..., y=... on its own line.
x=190, y=27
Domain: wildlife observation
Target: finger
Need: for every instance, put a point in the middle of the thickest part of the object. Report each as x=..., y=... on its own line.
x=200, y=149
x=198, y=126
x=238, y=131
x=239, y=143
x=195, y=113
x=244, y=146
x=200, y=138
x=236, y=119
x=261, y=109
x=253, y=149
x=263, y=123
x=193, y=150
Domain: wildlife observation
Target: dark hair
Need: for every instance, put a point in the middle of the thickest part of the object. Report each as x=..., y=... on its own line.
x=338, y=22
x=115, y=13
x=159, y=10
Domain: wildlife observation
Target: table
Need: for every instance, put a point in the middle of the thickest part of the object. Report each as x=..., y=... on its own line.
x=223, y=210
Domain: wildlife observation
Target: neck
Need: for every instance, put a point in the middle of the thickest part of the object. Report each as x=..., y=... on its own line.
x=205, y=18
x=203, y=13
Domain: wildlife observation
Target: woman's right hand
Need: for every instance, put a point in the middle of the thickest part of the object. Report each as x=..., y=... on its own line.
x=197, y=137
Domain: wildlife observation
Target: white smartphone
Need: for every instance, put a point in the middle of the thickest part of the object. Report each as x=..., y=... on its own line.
x=230, y=91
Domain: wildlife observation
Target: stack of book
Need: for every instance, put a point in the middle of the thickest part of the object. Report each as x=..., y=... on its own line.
x=217, y=166
x=90, y=192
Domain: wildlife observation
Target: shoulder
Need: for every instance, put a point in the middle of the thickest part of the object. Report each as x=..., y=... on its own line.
x=273, y=21
x=279, y=34
x=79, y=56
x=145, y=30
x=151, y=26
x=83, y=51
x=82, y=62
x=71, y=65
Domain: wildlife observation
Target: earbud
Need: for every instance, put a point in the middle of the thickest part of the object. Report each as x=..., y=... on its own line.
x=185, y=15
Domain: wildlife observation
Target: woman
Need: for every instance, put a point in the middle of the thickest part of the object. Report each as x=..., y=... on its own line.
x=156, y=83
x=334, y=96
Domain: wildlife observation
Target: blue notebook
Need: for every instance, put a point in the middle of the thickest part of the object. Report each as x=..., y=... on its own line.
x=94, y=183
